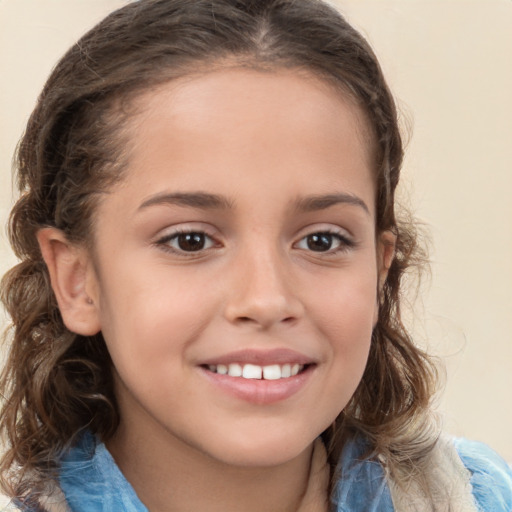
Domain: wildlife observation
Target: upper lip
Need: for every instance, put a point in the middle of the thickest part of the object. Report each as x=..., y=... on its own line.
x=260, y=357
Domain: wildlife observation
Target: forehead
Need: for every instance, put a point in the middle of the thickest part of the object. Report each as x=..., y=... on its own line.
x=272, y=125
x=223, y=94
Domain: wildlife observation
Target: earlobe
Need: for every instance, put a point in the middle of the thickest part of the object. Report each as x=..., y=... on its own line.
x=71, y=275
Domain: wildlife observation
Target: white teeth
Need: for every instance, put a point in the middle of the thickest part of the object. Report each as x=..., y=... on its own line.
x=272, y=372
x=253, y=371
x=234, y=370
x=222, y=369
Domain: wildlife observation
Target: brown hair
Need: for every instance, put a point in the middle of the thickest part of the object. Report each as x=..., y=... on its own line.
x=56, y=383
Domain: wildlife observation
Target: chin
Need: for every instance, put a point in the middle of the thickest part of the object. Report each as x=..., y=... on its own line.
x=259, y=452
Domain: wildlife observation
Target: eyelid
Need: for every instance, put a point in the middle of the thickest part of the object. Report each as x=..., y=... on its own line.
x=162, y=240
x=346, y=239
x=323, y=227
x=186, y=227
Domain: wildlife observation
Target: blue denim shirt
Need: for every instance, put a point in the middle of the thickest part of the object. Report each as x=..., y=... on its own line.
x=92, y=482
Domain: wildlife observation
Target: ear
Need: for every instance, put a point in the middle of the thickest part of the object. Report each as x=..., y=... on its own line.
x=386, y=245
x=73, y=281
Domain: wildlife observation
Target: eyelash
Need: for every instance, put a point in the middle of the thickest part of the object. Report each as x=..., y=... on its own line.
x=344, y=242
x=165, y=242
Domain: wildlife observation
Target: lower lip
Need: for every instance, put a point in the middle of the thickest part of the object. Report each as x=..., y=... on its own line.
x=260, y=391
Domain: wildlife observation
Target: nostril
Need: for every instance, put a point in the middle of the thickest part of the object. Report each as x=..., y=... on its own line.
x=248, y=319
x=263, y=309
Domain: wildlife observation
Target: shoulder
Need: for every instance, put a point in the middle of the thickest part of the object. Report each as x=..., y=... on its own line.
x=53, y=503
x=462, y=475
x=6, y=504
x=491, y=476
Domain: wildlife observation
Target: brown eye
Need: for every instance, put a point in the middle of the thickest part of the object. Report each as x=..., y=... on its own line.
x=192, y=241
x=325, y=241
x=319, y=242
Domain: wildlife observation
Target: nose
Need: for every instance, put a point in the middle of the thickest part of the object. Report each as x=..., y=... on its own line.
x=263, y=292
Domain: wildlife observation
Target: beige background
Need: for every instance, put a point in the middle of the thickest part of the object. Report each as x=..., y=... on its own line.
x=449, y=64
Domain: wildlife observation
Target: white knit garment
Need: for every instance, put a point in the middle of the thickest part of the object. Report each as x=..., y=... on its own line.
x=449, y=482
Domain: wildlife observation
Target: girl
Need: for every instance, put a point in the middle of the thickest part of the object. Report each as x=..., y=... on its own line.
x=206, y=313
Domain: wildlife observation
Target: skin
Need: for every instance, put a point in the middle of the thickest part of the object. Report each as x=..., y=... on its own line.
x=265, y=144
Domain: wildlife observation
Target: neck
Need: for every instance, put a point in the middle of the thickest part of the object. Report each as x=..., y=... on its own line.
x=173, y=477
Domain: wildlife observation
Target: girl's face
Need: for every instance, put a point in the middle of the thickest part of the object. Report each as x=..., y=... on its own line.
x=242, y=240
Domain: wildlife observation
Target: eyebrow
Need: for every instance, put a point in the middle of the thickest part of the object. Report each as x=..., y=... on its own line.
x=206, y=201
x=200, y=200
x=321, y=202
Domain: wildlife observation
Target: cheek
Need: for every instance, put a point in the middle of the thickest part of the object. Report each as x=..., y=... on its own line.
x=149, y=317
x=344, y=317
x=345, y=314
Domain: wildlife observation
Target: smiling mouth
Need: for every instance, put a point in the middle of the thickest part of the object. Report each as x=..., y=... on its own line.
x=266, y=383
x=257, y=372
